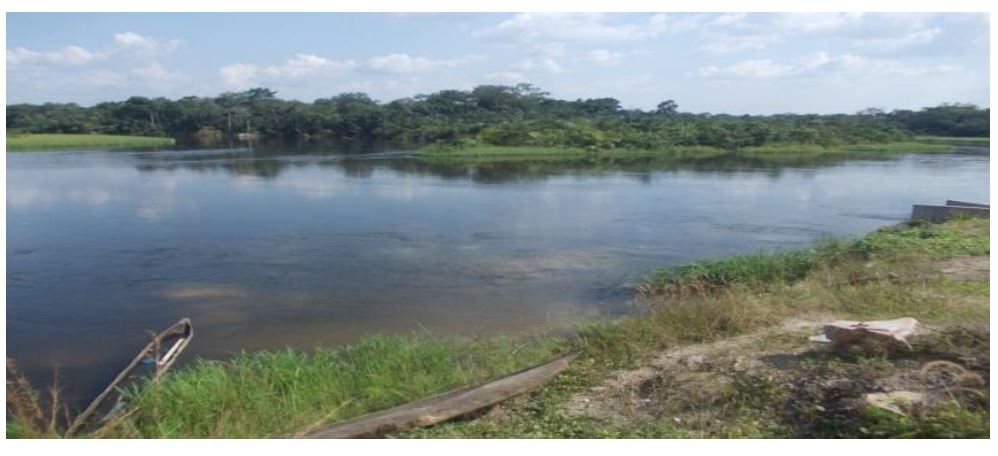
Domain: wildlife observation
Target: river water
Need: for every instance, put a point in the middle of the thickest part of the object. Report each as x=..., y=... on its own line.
x=268, y=249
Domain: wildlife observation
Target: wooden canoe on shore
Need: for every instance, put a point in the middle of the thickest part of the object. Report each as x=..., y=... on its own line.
x=443, y=407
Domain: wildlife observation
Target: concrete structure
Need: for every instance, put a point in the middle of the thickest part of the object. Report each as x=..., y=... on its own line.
x=966, y=204
x=933, y=213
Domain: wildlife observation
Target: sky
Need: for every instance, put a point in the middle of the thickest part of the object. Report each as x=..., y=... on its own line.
x=737, y=63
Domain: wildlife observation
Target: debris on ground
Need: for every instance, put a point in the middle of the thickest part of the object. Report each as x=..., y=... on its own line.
x=843, y=333
x=895, y=401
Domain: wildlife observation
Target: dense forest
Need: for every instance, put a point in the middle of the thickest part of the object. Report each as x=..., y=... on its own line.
x=488, y=114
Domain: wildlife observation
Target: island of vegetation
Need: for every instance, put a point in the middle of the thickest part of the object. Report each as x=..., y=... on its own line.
x=720, y=350
x=55, y=141
x=496, y=121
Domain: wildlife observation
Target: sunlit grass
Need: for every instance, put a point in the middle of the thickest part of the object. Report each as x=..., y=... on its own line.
x=815, y=149
x=274, y=394
x=28, y=141
x=956, y=141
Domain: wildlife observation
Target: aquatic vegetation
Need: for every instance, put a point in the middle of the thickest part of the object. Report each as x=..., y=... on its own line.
x=82, y=141
x=983, y=141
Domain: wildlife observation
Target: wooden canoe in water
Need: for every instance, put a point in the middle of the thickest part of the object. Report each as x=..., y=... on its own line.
x=443, y=407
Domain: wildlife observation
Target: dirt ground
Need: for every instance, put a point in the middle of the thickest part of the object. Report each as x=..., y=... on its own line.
x=700, y=386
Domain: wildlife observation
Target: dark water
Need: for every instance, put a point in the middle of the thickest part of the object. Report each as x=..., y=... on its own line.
x=272, y=249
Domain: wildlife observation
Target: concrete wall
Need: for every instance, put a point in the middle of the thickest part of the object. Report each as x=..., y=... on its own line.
x=965, y=204
x=932, y=213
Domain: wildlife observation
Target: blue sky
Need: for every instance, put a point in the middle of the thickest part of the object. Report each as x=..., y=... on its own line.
x=734, y=63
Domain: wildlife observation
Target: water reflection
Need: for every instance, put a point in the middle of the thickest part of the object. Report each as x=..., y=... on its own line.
x=269, y=165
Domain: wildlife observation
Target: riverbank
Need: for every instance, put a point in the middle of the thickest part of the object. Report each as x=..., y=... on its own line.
x=485, y=153
x=720, y=350
x=27, y=141
x=955, y=141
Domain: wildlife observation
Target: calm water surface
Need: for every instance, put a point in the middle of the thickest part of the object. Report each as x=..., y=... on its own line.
x=275, y=249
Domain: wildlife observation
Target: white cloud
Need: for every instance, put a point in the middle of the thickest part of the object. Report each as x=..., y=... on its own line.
x=764, y=68
x=245, y=75
x=155, y=72
x=239, y=75
x=306, y=65
x=888, y=44
x=145, y=45
x=733, y=43
x=313, y=67
x=69, y=55
x=506, y=77
x=574, y=27
x=103, y=78
x=821, y=63
x=819, y=22
x=127, y=43
x=405, y=64
x=729, y=19
x=548, y=64
x=603, y=57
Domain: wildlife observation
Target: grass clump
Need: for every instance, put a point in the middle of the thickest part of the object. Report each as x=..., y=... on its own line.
x=276, y=394
x=29, y=415
x=754, y=270
x=30, y=141
x=960, y=237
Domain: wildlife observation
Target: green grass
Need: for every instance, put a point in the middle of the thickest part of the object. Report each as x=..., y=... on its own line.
x=813, y=149
x=754, y=270
x=22, y=142
x=275, y=394
x=961, y=237
x=955, y=141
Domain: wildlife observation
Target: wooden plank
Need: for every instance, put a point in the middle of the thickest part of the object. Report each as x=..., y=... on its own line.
x=442, y=407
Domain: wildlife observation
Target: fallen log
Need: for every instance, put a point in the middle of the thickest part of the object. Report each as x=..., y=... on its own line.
x=443, y=407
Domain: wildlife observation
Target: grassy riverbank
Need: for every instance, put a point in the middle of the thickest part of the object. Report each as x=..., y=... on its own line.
x=955, y=141
x=720, y=350
x=25, y=141
x=489, y=154
x=479, y=153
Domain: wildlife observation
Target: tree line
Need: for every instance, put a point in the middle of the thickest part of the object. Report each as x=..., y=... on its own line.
x=488, y=114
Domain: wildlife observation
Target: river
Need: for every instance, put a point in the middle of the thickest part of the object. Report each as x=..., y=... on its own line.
x=276, y=248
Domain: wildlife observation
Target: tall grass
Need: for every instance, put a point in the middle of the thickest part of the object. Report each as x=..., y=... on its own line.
x=755, y=270
x=271, y=394
x=29, y=414
x=29, y=141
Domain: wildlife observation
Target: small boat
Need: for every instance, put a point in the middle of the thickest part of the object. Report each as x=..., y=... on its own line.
x=158, y=356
